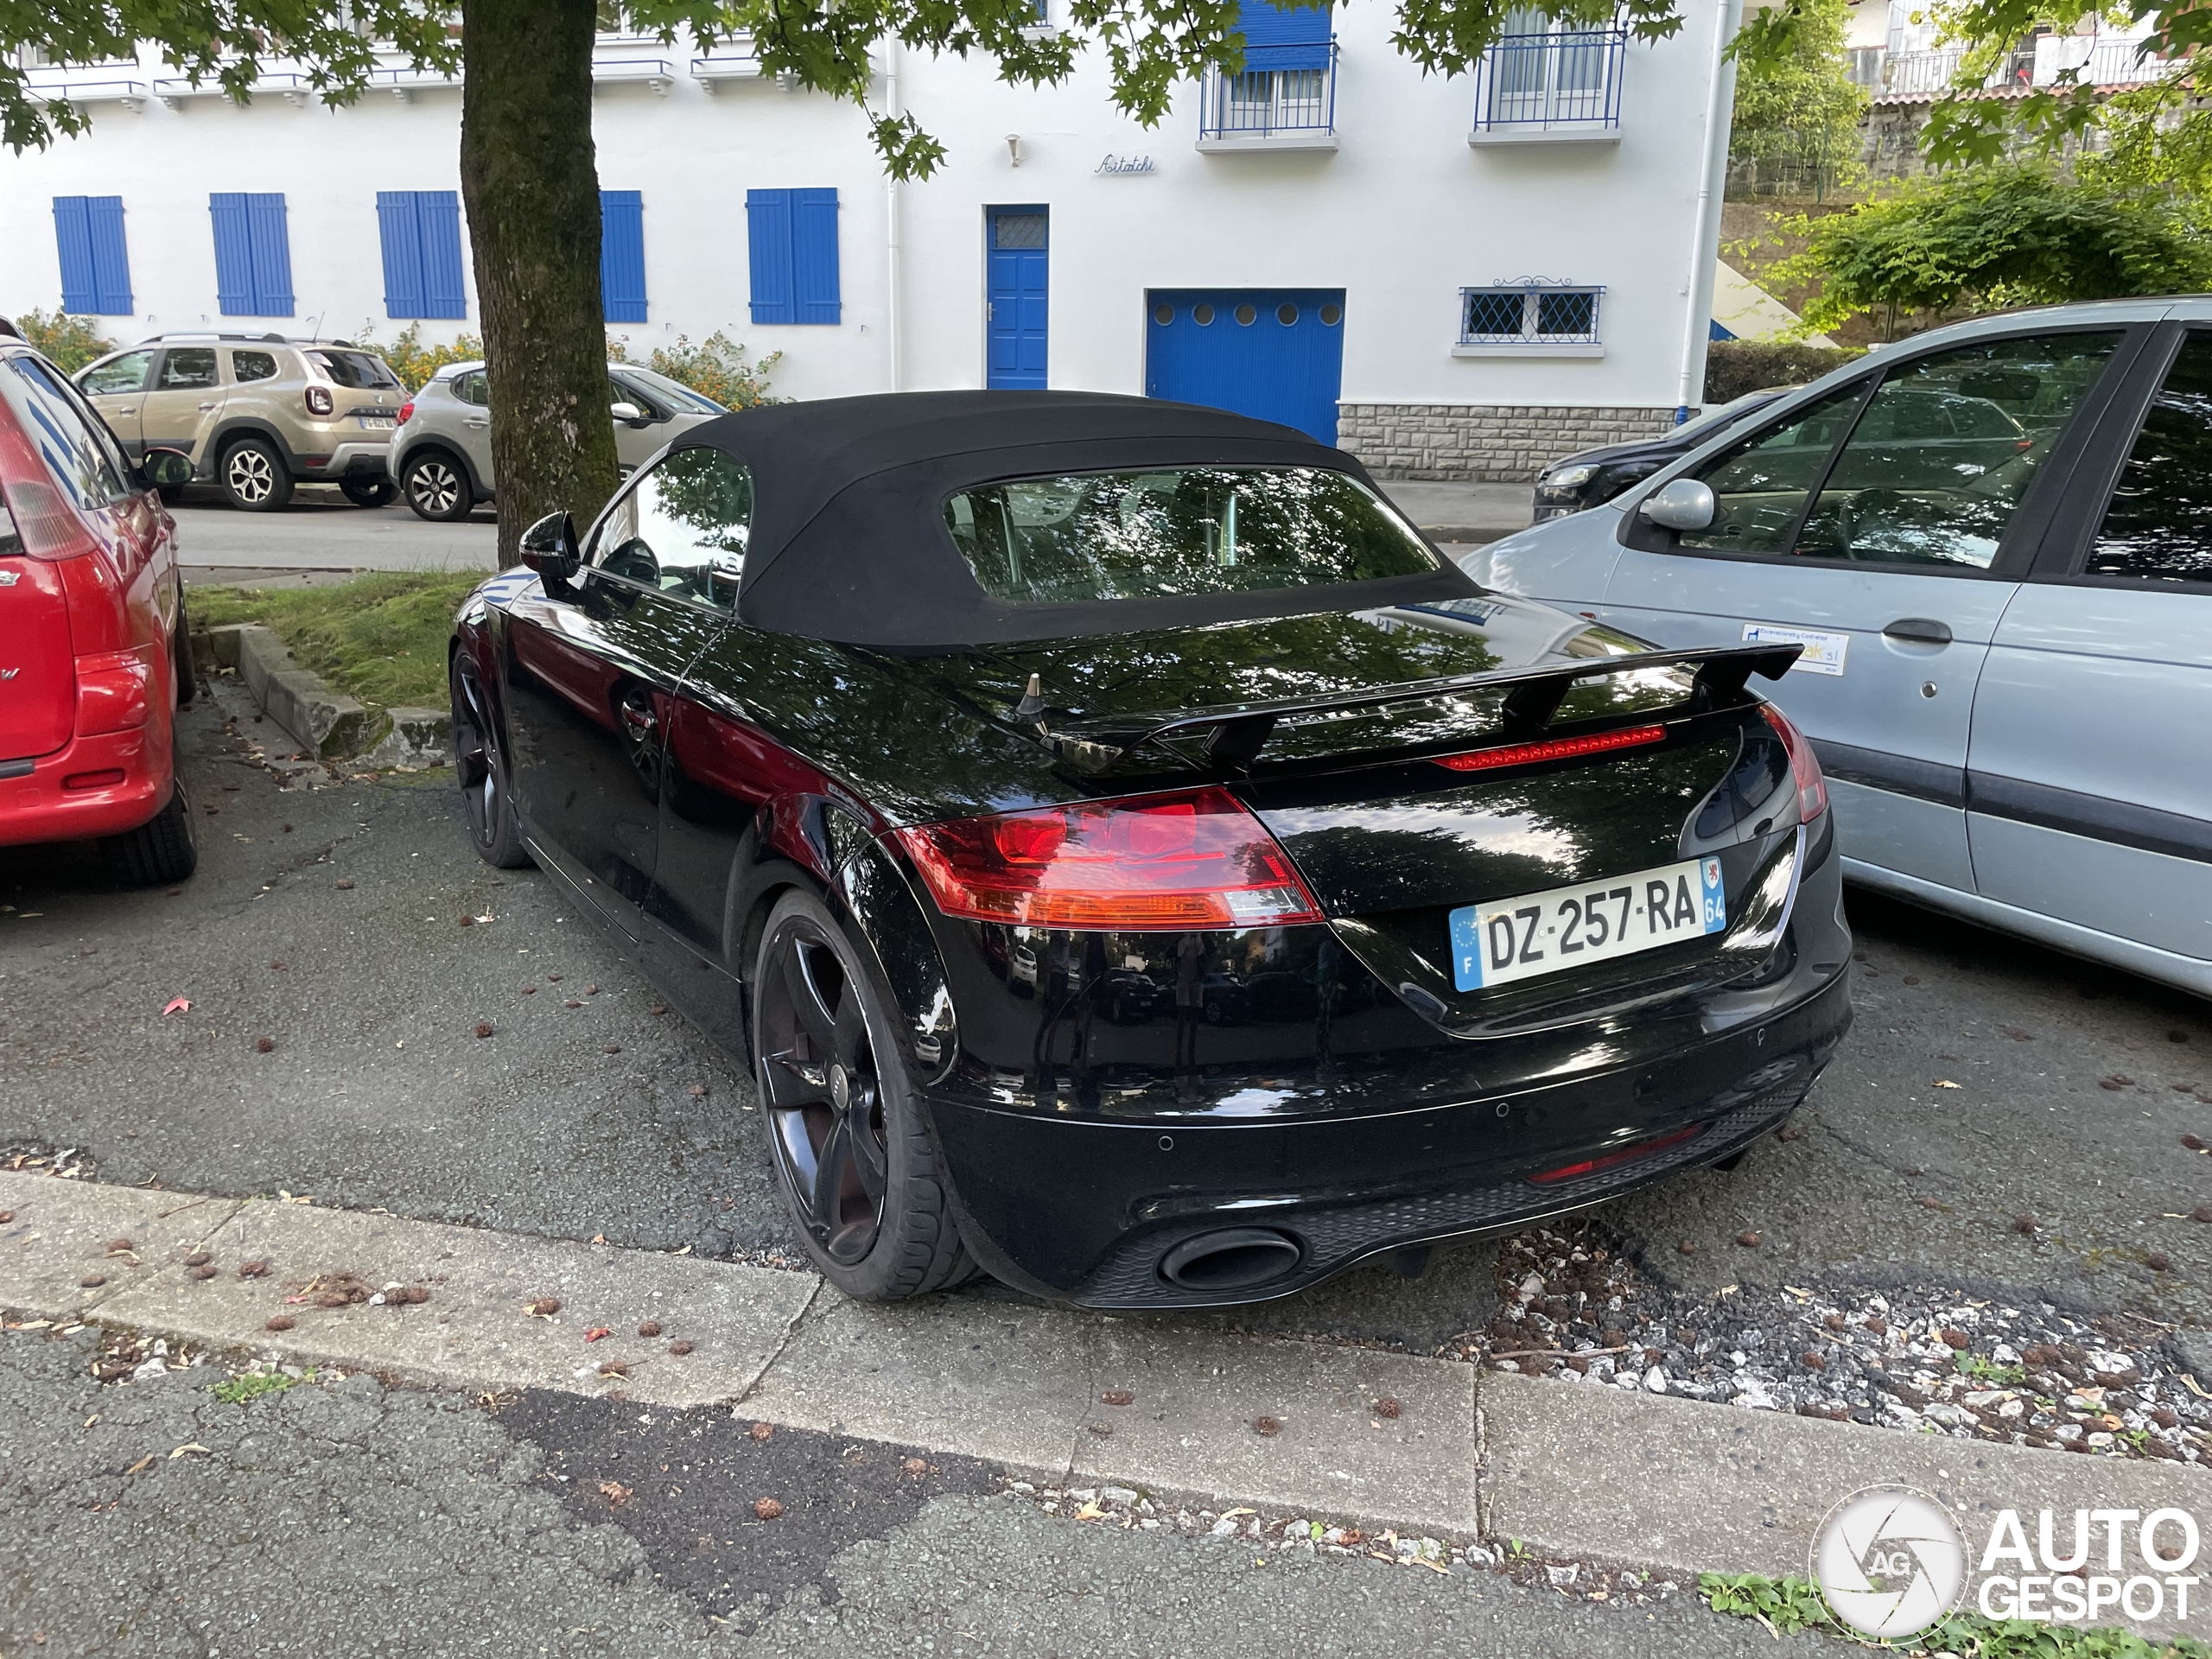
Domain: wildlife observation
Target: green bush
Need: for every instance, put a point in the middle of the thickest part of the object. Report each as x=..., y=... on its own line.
x=1983, y=239
x=71, y=342
x=716, y=367
x=1734, y=367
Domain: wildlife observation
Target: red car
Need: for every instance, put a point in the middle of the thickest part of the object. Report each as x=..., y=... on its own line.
x=94, y=659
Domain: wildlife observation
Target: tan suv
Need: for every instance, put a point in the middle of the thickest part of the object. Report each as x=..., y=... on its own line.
x=257, y=413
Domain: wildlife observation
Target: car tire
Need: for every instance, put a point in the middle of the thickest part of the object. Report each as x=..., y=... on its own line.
x=253, y=475
x=842, y=1118
x=377, y=492
x=436, y=486
x=187, y=671
x=493, y=829
x=164, y=848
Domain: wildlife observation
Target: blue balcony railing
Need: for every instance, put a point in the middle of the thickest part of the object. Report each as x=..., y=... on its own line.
x=1282, y=92
x=1563, y=81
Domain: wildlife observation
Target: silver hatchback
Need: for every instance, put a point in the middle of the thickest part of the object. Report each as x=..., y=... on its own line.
x=1994, y=543
x=441, y=454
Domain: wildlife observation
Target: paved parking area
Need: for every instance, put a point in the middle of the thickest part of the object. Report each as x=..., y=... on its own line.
x=320, y=530
x=330, y=921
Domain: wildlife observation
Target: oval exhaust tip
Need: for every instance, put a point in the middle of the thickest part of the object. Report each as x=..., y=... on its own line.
x=1236, y=1258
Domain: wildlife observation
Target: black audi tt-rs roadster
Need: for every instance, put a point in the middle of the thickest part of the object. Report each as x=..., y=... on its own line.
x=1132, y=859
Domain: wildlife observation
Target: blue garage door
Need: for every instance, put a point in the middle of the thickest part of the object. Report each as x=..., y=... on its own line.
x=1275, y=353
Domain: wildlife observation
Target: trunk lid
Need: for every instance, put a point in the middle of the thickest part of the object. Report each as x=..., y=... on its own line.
x=38, y=674
x=1391, y=843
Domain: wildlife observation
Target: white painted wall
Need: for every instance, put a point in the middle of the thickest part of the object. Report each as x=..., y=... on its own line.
x=1400, y=216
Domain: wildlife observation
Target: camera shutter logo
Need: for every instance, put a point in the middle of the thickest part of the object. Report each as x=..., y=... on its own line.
x=1890, y=1561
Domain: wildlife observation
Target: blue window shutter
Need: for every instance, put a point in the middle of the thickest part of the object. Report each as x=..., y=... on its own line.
x=1276, y=37
x=272, y=254
x=814, y=255
x=233, y=254
x=403, y=253
x=438, y=213
x=622, y=255
x=72, y=236
x=110, y=255
x=1264, y=24
x=768, y=241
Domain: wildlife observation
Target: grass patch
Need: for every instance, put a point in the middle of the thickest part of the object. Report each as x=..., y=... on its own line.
x=1788, y=1605
x=381, y=637
x=251, y=1385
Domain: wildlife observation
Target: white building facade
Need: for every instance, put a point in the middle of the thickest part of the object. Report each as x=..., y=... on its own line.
x=1451, y=277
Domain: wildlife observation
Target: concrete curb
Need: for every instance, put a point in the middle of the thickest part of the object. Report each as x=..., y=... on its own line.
x=1579, y=1471
x=325, y=723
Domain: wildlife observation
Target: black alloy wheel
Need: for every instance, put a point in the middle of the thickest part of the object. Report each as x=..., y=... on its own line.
x=858, y=1172
x=493, y=828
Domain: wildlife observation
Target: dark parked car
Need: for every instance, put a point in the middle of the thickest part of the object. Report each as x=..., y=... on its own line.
x=943, y=755
x=1590, y=476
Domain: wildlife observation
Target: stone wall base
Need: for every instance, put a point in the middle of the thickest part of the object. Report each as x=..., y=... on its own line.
x=1504, y=444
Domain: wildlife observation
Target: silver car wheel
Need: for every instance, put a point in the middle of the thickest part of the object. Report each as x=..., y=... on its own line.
x=433, y=485
x=250, y=478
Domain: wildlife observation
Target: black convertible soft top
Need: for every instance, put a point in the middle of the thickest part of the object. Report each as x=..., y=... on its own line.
x=849, y=543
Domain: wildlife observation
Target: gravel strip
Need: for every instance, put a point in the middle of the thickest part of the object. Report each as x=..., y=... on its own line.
x=1918, y=1359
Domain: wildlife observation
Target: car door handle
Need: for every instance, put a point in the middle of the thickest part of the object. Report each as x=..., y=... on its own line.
x=206, y=408
x=1921, y=630
x=133, y=410
x=477, y=420
x=640, y=720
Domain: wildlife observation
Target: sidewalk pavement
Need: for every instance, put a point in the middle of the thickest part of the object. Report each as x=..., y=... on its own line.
x=1577, y=1471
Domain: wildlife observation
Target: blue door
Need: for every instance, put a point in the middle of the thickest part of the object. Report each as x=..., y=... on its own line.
x=1016, y=258
x=1273, y=353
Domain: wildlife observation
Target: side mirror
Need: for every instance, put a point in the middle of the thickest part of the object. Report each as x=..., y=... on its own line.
x=165, y=468
x=629, y=412
x=548, y=547
x=1683, y=503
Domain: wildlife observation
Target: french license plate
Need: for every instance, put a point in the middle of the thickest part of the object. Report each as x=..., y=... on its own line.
x=376, y=423
x=1504, y=939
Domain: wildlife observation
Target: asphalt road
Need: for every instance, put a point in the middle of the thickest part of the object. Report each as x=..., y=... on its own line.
x=2076, y=1084
x=321, y=530
x=150, y=1517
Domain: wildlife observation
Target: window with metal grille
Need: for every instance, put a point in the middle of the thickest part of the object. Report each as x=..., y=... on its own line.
x=1529, y=314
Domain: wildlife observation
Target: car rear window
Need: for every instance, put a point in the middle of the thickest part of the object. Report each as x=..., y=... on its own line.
x=673, y=393
x=358, y=370
x=1175, y=532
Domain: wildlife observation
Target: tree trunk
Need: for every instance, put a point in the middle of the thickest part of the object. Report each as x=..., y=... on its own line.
x=529, y=177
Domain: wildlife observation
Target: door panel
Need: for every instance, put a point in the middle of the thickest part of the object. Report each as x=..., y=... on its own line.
x=1275, y=354
x=1019, y=297
x=1896, y=750
x=1876, y=520
x=596, y=682
x=184, y=400
x=473, y=428
x=2091, y=765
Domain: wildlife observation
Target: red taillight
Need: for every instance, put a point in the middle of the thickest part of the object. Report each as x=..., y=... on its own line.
x=114, y=690
x=1154, y=863
x=1607, y=1160
x=48, y=525
x=407, y=411
x=1804, y=766
x=1553, y=749
x=320, y=401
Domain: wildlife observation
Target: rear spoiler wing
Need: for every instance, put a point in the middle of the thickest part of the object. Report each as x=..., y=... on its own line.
x=1239, y=731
